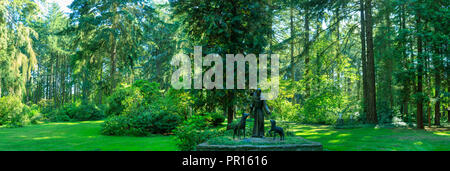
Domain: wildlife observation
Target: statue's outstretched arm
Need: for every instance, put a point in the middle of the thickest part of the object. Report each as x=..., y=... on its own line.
x=266, y=107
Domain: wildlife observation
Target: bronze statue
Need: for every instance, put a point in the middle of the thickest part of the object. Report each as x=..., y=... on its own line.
x=276, y=129
x=258, y=107
x=240, y=126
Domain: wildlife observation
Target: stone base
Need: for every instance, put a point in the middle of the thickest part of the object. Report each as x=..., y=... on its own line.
x=262, y=144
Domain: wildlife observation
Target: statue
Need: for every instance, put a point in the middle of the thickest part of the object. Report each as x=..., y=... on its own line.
x=276, y=129
x=258, y=107
x=240, y=125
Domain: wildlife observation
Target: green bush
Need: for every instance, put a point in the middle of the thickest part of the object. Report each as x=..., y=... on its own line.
x=216, y=118
x=142, y=110
x=163, y=122
x=150, y=90
x=46, y=106
x=116, y=125
x=87, y=112
x=115, y=101
x=141, y=91
x=199, y=121
x=140, y=124
x=194, y=131
x=76, y=112
x=14, y=113
x=189, y=136
x=33, y=113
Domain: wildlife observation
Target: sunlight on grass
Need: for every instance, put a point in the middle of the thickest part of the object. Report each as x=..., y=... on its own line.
x=44, y=138
x=418, y=143
x=63, y=123
x=343, y=135
x=85, y=136
x=77, y=136
x=442, y=133
x=334, y=141
x=374, y=139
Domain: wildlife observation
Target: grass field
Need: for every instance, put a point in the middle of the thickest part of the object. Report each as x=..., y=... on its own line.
x=85, y=136
x=76, y=136
x=376, y=139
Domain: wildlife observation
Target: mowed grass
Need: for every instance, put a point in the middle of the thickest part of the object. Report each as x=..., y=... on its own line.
x=375, y=139
x=77, y=136
x=85, y=136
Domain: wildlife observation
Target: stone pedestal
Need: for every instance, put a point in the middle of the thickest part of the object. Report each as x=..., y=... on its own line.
x=261, y=144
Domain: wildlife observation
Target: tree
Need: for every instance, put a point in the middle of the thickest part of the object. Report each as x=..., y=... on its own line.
x=371, y=94
x=420, y=63
x=109, y=27
x=17, y=56
x=224, y=27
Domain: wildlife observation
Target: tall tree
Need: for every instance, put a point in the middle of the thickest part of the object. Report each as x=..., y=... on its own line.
x=371, y=94
x=363, y=56
x=420, y=63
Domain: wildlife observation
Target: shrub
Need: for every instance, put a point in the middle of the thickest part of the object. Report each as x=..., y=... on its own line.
x=58, y=116
x=142, y=91
x=141, y=122
x=150, y=90
x=141, y=110
x=198, y=121
x=76, y=112
x=164, y=122
x=14, y=113
x=87, y=112
x=116, y=125
x=33, y=113
x=189, y=136
x=194, y=131
x=46, y=106
x=216, y=118
x=115, y=101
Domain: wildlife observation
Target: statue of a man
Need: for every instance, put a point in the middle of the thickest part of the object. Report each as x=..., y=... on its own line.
x=258, y=107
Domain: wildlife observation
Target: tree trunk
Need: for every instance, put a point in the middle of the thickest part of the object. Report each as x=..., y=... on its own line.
x=363, y=56
x=306, y=46
x=371, y=95
x=113, y=65
x=419, y=78
x=113, y=50
x=437, y=88
x=292, y=47
x=429, y=114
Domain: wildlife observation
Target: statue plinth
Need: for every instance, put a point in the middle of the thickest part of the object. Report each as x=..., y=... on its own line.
x=259, y=144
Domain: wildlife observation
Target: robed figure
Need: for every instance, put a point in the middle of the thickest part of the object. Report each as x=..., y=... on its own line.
x=258, y=107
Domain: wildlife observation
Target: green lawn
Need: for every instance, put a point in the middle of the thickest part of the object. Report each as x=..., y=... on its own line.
x=375, y=139
x=75, y=136
x=86, y=136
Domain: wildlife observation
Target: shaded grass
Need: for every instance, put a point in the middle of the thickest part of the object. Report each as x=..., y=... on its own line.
x=77, y=136
x=374, y=139
x=85, y=136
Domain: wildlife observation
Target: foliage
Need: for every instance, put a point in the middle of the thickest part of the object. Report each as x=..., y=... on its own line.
x=216, y=118
x=141, y=110
x=76, y=112
x=14, y=113
x=143, y=123
x=123, y=96
x=194, y=131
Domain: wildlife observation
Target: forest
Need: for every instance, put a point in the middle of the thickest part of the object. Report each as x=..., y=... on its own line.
x=349, y=64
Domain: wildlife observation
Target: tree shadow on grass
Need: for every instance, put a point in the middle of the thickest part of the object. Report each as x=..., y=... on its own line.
x=372, y=139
